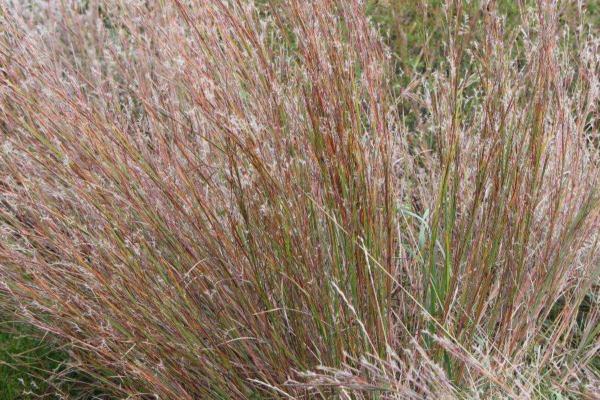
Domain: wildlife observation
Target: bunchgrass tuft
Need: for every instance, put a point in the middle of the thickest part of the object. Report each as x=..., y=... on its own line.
x=305, y=199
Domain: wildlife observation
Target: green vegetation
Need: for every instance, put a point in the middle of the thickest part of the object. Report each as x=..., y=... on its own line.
x=25, y=365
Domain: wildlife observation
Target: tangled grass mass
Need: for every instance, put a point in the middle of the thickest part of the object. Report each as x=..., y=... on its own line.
x=328, y=199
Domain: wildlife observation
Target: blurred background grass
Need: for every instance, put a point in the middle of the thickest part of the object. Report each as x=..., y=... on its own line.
x=27, y=363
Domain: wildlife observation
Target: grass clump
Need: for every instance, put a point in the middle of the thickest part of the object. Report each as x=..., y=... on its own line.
x=230, y=199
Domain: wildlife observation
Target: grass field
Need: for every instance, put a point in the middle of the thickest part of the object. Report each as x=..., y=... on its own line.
x=333, y=199
x=25, y=364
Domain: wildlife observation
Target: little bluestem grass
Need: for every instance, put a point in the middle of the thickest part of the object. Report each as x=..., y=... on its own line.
x=237, y=199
